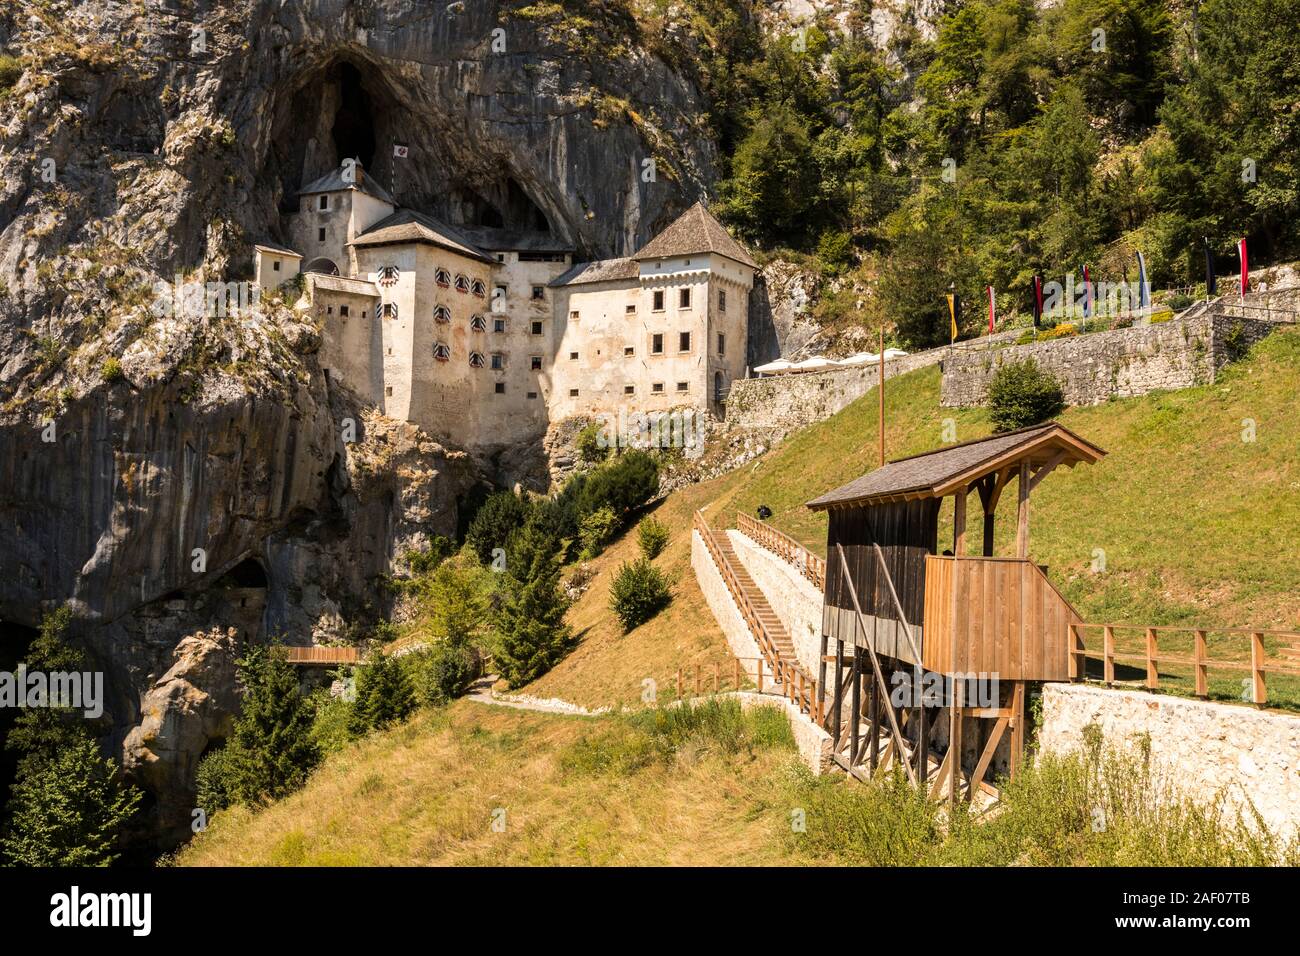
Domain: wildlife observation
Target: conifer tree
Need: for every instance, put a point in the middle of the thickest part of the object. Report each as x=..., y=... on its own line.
x=384, y=695
x=534, y=635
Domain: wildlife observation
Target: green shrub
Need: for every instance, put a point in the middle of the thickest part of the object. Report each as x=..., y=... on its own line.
x=627, y=482
x=638, y=593
x=1179, y=301
x=597, y=530
x=652, y=537
x=589, y=446
x=444, y=671
x=439, y=550
x=111, y=370
x=11, y=68
x=332, y=719
x=1022, y=394
x=213, y=781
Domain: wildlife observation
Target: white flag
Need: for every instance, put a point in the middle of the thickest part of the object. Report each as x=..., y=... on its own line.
x=399, y=151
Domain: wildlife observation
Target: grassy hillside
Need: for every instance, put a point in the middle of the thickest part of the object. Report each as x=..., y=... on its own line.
x=1196, y=525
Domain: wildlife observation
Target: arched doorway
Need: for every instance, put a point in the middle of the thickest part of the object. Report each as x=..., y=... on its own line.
x=322, y=266
x=719, y=388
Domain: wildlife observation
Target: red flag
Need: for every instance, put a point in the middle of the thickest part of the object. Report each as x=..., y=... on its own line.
x=1245, y=272
x=992, y=310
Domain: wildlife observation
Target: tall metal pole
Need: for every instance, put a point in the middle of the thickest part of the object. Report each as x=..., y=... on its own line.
x=881, y=389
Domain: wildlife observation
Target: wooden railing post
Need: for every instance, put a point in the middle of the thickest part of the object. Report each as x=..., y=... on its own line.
x=760, y=675
x=679, y=683
x=1257, y=667
x=737, y=669
x=1108, y=653
x=1153, y=675
x=715, y=677
x=1202, y=672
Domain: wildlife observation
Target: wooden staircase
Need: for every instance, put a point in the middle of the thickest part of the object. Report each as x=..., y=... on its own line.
x=769, y=633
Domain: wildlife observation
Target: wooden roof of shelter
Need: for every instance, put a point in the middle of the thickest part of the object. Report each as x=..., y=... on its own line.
x=946, y=470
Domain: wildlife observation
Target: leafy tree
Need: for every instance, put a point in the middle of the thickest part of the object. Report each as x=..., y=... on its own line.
x=774, y=180
x=639, y=591
x=533, y=634
x=1023, y=394
x=69, y=811
x=443, y=672
x=596, y=531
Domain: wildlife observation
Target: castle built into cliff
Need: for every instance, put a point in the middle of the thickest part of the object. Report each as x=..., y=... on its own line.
x=485, y=336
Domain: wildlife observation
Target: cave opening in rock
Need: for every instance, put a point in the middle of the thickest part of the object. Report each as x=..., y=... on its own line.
x=248, y=573
x=353, y=132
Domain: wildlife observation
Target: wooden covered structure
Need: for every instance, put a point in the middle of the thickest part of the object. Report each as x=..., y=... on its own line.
x=894, y=603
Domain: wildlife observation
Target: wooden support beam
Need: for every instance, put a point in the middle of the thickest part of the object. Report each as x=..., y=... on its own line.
x=959, y=521
x=1046, y=469
x=954, y=741
x=995, y=736
x=1022, y=516
x=838, y=703
x=1017, y=728
x=855, y=705
x=1202, y=672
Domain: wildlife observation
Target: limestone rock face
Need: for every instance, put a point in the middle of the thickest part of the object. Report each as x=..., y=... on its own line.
x=186, y=709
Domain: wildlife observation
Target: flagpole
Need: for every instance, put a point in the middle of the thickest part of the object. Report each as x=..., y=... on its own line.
x=881, y=389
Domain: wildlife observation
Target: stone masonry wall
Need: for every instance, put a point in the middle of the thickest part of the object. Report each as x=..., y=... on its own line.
x=1206, y=748
x=1117, y=364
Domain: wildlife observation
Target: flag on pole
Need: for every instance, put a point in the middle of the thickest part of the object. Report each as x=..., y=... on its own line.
x=1087, y=293
x=1038, y=300
x=1211, y=282
x=400, y=151
x=992, y=310
x=1144, y=291
x=954, y=312
x=1245, y=270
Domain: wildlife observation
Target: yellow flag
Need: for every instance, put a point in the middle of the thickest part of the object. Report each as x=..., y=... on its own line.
x=952, y=314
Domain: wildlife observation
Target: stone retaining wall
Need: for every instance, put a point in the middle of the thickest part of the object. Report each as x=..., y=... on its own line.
x=794, y=599
x=1246, y=754
x=1117, y=364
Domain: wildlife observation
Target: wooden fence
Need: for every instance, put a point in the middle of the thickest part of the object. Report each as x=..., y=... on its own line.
x=796, y=688
x=785, y=547
x=1115, y=641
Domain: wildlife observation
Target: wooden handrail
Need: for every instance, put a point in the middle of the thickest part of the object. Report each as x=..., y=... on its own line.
x=804, y=695
x=1200, y=662
x=785, y=547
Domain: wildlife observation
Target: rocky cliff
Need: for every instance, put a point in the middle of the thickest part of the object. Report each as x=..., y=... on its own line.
x=174, y=465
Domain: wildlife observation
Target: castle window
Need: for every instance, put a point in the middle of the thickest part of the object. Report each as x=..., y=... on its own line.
x=441, y=351
x=630, y=309
x=478, y=323
x=537, y=328
x=275, y=266
x=442, y=277
x=629, y=351
x=498, y=298
x=574, y=315
x=441, y=314
x=683, y=386
x=462, y=283
x=722, y=300
x=501, y=257
x=539, y=292
x=657, y=344
x=684, y=298
x=722, y=343
x=478, y=288
x=498, y=362
x=329, y=310
x=573, y=393
x=320, y=234
x=324, y=202
x=390, y=310
x=658, y=300
x=388, y=390
x=498, y=325
x=535, y=363
x=500, y=388
x=475, y=359
x=657, y=388
x=683, y=341
x=532, y=394
x=388, y=275
x=573, y=356
x=343, y=311
x=629, y=389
